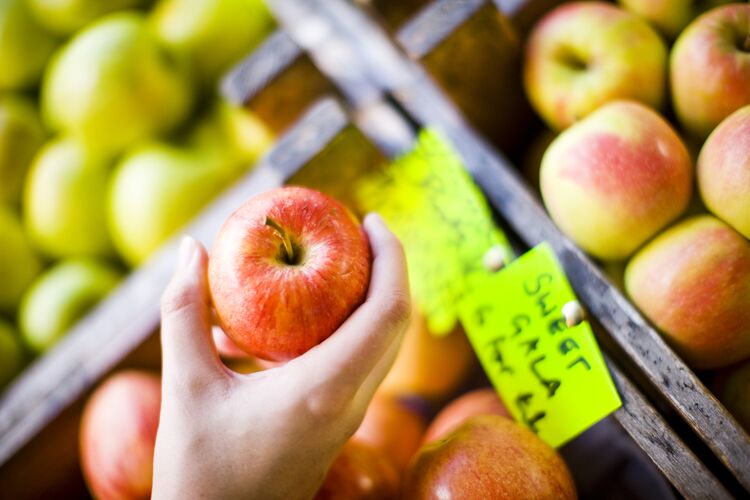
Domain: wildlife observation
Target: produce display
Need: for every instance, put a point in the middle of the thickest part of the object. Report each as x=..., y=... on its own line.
x=112, y=137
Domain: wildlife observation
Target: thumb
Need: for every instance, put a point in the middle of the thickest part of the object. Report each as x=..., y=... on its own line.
x=188, y=350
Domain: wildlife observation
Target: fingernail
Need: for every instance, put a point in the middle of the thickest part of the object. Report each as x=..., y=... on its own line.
x=186, y=252
x=373, y=218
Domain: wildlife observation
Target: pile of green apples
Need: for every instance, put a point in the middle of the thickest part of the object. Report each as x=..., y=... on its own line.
x=112, y=137
x=649, y=167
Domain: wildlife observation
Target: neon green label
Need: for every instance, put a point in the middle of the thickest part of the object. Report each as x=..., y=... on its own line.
x=551, y=377
x=431, y=203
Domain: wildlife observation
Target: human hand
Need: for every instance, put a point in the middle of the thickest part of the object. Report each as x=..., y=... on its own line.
x=270, y=434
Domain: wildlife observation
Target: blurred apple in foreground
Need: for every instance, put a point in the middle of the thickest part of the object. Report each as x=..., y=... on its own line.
x=65, y=201
x=286, y=269
x=64, y=17
x=211, y=34
x=21, y=134
x=710, y=68
x=489, y=457
x=693, y=282
x=360, y=472
x=112, y=85
x=25, y=46
x=429, y=366
x=477, y=402
x=583, y=54
x=60, y=297
x=19, y=265
x=392, y=428
x=11, y=354
x=118, y=433
x=670, y=16
x=616, y=178
x=724, y=171
x=732, y=387
x=155, y=190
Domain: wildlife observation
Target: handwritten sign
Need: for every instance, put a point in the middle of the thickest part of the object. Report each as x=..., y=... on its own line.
x=431, y=203
x=552, y=378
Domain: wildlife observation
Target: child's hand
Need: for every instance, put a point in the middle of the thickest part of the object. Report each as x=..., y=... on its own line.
x=270, y=434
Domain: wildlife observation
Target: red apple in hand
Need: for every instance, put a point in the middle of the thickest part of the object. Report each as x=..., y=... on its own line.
x=118, y=432
x=286, y=270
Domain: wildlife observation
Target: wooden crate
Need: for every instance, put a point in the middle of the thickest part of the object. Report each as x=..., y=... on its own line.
x=420, y=90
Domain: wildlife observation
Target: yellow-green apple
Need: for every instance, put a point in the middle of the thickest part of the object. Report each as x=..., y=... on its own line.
x=584, y=54
x=65, y=199
x=21, y=134
x=670, y=16
x=360, y=472
x=613, y=180
x=709, y=68
x=25, y=46
x=118, y=434
x=483, y=401
x=693, y=282
x=11, y=353
x=155, y=189
x=392, y=428
x=65, y=17
x=60, y=297
x=113, y=85
x=429, y=366
x=19, y=264
x=724, y=171
x=286, y=269
x=732, y=387
x=489, y=456
x=211, y=34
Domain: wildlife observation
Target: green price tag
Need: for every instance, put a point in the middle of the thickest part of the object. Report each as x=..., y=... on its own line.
x=551, y=377
x=431, y=203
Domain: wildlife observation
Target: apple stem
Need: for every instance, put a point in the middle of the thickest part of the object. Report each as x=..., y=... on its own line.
x=285, y=240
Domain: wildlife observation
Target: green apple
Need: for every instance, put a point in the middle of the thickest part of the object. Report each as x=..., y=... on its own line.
x=213, y=34
x=113, y=85
x=60, y=297
x=65, y=200
x=11, y=353
x=64, y=17
x=670, y=16
x=19, y=265
x=156, y=189
x=25, y=46
x=21, y=134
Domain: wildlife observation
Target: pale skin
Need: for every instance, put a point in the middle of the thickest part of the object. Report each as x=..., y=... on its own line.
x=270, y=434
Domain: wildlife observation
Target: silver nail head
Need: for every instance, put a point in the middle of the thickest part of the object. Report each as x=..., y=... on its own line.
x=573, y=313
x=494, y=259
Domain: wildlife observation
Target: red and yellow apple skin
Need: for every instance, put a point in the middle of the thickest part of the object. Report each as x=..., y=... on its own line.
x=732, y=387
x=693, y=283
x=710, y=68
x=613, y=180
x=669, y=16
x=489, y=457
x=583, y=54
x=117, y=436
x=477, y=402
x=724, y=171
x=274, y=307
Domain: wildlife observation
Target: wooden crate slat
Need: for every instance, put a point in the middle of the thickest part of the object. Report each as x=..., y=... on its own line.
x=131, y=312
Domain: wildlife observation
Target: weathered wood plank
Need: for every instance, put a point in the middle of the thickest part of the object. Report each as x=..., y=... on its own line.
x=130, y=313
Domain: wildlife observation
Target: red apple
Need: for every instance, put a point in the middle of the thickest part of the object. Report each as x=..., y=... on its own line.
x=710, y=68
x=360, y=472
x=287, y=268
x=117, y=435
x=483, y=401
x=489, y=457
x=392, y=428
x=724, y=171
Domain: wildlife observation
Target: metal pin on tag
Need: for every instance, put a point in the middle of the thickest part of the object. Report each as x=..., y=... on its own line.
x=573, y=313
x=494, y=259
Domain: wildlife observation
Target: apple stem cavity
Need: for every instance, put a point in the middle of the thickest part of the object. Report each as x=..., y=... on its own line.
x=746, y=45
x=288, y=248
